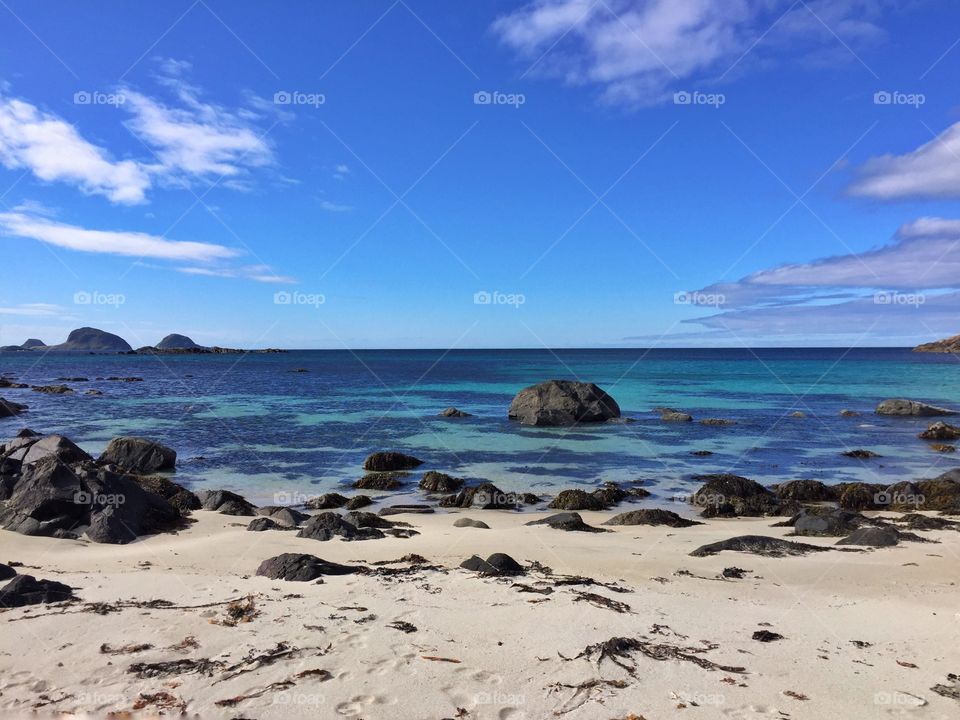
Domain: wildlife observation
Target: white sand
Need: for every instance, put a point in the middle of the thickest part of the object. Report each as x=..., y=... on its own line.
x=903, y=600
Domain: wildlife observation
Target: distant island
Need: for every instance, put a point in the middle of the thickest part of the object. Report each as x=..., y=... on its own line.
x=95, y=341
x=947, y=345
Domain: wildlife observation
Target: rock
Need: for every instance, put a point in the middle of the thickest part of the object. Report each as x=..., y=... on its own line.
x=734, y=573
x=44, y=500
x=576, y=500
x=872, y=537
x=758, y=545
x=467, y=522
x=175, y=494
x=943, y=448
x=948, y=345
x=942, y=493
x=766, y=636
x=860, y=454
x=381, y=481
x=9, y=409
x=498, y=564
x=940, y=431
x=915, y=521
x=260, y=524
x=701, y=453
x=849, y=413
x=52, y=389
x=910, y=407
x=387, y=461
x=92, y=340
x=858, y=495
x=485, y=496
x=569, y=521
x=139, y=455
x=562, y=402
x=327, y=525
x=676, y=416
x=728, y=495
x=358, y=501
x=57, y=446
x=798, y=414
x=825, y=522
x=326, y=501
x=6, y=572
x=717, y=421
x=121, y=510
x=612, y=494
x=288, y=517
x=6, y=382
x=438, y=482
x=651, y=516
x=27, y=590
x=300, y=567
x=177, y=342
x=92, y=392
x=226, y=503
x=452, y=412
x=406, y=509
x=805, y=491
x=33, y=343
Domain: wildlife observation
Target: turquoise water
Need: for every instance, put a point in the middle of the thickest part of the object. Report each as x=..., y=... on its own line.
x=251, y=424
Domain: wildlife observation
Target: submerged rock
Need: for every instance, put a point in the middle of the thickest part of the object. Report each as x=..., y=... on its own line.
x=381, y=481
x=27, y=590
x=498, y=564
x=900, y=406
x=758, y=545
x=651, y=516
x=300, y=567
x=562, y=402
x=139, y=455
x=454, y=413
x=52, y=389
x=676, y=416
x=718, y=421
x=569, y=521
x=940, y=431
x=387, y=461
x=860, y=454
x=9, y=409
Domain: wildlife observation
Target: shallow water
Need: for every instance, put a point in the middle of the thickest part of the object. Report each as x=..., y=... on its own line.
x=250, y=424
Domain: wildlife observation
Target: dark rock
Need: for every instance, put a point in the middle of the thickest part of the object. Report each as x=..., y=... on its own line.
x=651, y=516
x=576, y=500
x=766, y=636
x=485, y=496
x=498, y=564
x=300, y=567
x=611, y=494
x=122, y=510
x=57, y=446
x=406, y=509
x=562, y=402
x=860, y=454
x=326, y=501
x=454, y=413
x=849, y=413
x=9, y=409
x=327, y=525
x=858, y=495
x=173, y=341
x=701, y=453
x=358, y=501
x=872, y=537
x=676, y=416
x=569, y=521
x=387, y=461
x=175, y=494
x=825, y=522
x=943, y=448
x=52, y=389
x=438, y=482
x=758, y=545
x=729, y=495
x=734, y=573
x=259, y=524
x=718, y=421
x=910, y=407
x=467, y=522
x=139, y=455
x=915, y=521
x=381, y=481
x=942, y=493
x=6, y=572
x=285, y=516
x=805, y=491
x=369, y=520
x=93, y=392
x=27, y=590
x=226, y=503
x=45, y=500
x=940, y=431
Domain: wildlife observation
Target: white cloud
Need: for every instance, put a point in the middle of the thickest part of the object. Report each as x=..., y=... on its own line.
x=636, y=49
x=335, y=207
x=133, y=244
x=32, y=310
x=932, y=170
x=258, y=273
x=54, y=151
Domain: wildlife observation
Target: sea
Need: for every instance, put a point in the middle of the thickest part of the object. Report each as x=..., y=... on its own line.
x=279, y=428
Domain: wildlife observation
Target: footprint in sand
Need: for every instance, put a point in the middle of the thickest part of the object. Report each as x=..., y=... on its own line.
x=359, y=704
x=402, y=664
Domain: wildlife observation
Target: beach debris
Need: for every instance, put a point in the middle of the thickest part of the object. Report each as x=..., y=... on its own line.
x=795, y=695
x=766, y=636
x=619, y=650
x=316, y=673
x=861, y=644
x=758, y=545
x=950, y=689
x=651, y=516
x=735, y=573
x=435, y=658
x=187, y=644
x=497, y=564
x=131, y=648
x=906, y=664
x=569, y=521
x=239, y=611
x=161, y=700
x=601, y=601
x=301, y=567
x=168, y=668
x=402, y=626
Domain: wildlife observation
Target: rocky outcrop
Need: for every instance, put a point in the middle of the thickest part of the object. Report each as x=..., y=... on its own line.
x=947, y=345
x=327, y=501
x=139, y=455
x=300, y=567
x=568, y=521
x=226, y=503
x=915, y=408
x=825, y=522
x=758, y=545
x=452, y=412
x=381, y=481
x=174, y=341
x=27, y=590
x=728, y=495
x=805, y=491
x=576, y=500
x=438, y=482
x=9, y=409
x=288, y=517
x=33, y=343
x=92, y=340
x=940, y=431
x=389, y=461
x=651, y=516
x=496, y=565
x=328, y=525
x=173, y=493
x=562, y=402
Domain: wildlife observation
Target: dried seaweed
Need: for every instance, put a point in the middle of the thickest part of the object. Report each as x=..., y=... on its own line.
x=161, y=700
x=167, y=668
x=108, y=649
x=239, y=611
x=403, y=626
x=601, y=602
x=619, y=651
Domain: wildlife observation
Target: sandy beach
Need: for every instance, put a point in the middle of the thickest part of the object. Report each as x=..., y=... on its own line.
x=866, y=633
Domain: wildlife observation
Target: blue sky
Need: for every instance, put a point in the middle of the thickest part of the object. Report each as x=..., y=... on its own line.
x=498, y=174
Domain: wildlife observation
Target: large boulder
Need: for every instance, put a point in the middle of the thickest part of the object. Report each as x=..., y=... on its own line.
x=899, y=406
x=940, y=431
x=562, y=402
x=485, y=496
x=45, y=500
x=326, y=501
x=226, y=502
x=175, y=494
x=121, y=510
x=576, y=500
x=728, y=495
x=327, y=525
x=9, y=409
x=387, y=461
x=300, y=567
x=805, y=491
x=58, y=446
x=139, y=455
x=825, y=522
x=288, y=517
x=27, y=590
x=569, y=521
x=651, y=516
x=381, y=481
x=438, y=482
x=498, y=564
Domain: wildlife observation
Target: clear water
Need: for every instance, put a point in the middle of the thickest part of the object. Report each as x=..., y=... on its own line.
x=250, y=424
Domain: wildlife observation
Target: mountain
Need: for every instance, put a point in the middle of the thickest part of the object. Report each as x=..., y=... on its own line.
x=92, y=340
x=948, y=345
x=33, y=343
x=177, y=342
